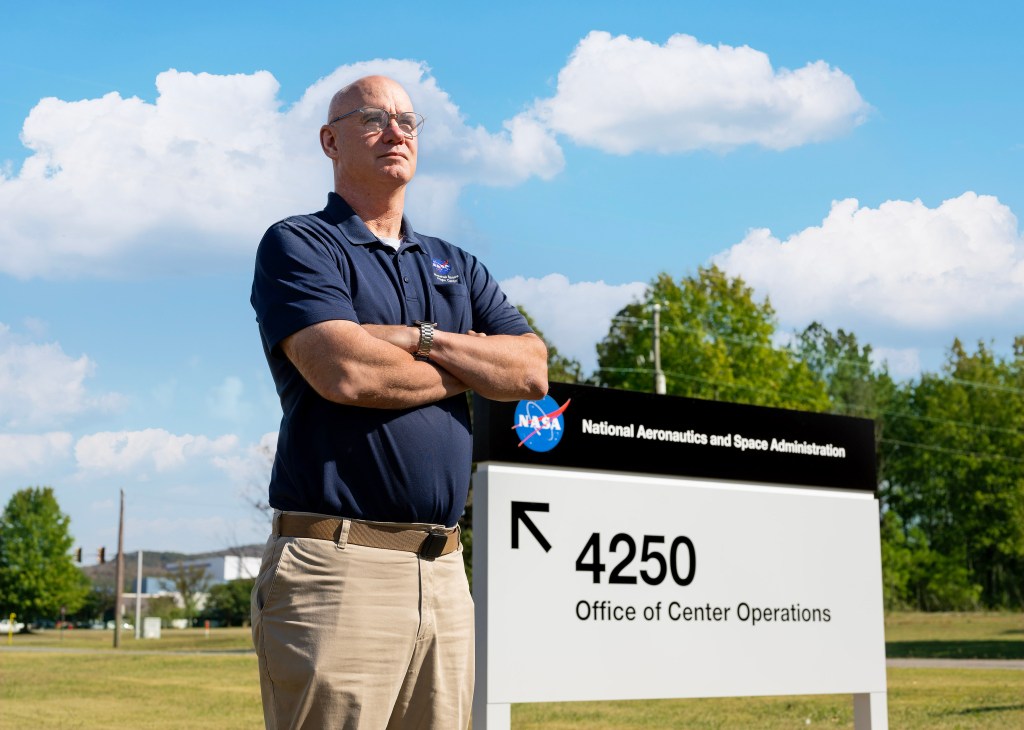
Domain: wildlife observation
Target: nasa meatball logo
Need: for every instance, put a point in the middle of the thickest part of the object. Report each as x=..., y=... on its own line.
x=539, y=424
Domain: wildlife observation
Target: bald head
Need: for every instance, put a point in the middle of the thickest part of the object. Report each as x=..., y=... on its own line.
x=361, y=91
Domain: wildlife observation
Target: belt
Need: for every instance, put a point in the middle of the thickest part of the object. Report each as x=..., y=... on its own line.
x=428, y=543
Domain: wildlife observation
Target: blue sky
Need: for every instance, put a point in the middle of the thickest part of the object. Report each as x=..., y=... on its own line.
x=859, y=165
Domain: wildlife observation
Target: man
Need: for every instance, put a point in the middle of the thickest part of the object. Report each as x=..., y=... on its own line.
x=362, y=616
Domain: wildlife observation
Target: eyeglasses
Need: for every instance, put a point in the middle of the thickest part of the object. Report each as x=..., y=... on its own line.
x=376, y=120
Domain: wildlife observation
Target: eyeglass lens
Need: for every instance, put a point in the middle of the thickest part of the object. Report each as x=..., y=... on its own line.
x=377, y=119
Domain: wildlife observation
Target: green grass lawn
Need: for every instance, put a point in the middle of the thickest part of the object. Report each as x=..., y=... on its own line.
x=189, y=680
x=924, y=699
x=218, y=640
x=87, y=691
x=955, y=635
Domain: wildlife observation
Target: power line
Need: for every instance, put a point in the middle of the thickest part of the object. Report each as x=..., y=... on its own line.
x=933, y=419
x=864, y=409
x=753, y=342
x=989, y=386
x=958, y=452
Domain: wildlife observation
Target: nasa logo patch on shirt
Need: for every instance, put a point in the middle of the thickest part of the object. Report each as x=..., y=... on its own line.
x=443, y=272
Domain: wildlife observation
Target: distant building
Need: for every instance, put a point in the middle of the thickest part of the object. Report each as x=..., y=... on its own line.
x=219, y=569
x=154, y=586
x=223, y=568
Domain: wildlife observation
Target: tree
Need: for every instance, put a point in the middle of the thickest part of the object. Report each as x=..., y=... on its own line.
x=165, y=608
x=717, y=343
x=37, y=573
x=97, y=603
x=229, y=602
x=190, y=580
x=955, y=471
x=855, y=386
x=917, y=577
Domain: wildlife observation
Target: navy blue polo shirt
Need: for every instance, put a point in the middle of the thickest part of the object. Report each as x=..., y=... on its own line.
x=409, y=465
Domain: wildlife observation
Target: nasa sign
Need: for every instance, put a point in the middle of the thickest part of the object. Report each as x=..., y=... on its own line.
x=631, y=546
x=618, y=430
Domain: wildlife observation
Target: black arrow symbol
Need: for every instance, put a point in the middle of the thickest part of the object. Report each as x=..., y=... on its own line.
x=519, y=510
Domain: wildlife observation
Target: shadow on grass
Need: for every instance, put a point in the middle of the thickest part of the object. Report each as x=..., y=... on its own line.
x=955, y=649
x=982, y=710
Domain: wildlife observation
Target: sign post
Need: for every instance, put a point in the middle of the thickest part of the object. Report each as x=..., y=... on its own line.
x=654, y=547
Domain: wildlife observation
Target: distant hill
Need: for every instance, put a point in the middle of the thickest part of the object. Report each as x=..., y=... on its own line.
x=153, y=562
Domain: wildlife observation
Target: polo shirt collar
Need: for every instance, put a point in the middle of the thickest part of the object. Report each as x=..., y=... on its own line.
x=355, y=230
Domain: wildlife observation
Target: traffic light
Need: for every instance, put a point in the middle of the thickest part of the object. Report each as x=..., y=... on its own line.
x=78, y=555
x=103, y=555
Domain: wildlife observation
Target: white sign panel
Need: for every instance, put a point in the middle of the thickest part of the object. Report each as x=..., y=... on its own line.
x=599, y=585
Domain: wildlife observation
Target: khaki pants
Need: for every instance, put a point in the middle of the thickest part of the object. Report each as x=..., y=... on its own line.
x=357, y=637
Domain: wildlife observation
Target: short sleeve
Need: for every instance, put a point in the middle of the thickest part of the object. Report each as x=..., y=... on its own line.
x=493, y=313
x=300, y=279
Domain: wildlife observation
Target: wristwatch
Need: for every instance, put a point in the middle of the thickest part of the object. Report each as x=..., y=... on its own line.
x=426, y=338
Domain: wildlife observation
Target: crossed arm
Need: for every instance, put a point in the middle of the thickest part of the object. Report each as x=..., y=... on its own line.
x=373, y=366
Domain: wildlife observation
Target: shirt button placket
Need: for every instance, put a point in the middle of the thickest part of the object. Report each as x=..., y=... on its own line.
x=401, y=275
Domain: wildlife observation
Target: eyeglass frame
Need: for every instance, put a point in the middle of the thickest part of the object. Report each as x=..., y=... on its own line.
x=391, y=116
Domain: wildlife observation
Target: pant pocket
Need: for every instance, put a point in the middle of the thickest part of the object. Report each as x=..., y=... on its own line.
x=269, y=568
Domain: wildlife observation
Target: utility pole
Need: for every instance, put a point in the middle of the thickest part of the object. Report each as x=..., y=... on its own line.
x=138, y=599
x=659, y=376
x=119, y=588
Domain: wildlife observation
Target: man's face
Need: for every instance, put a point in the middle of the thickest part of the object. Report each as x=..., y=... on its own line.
x=362, y=157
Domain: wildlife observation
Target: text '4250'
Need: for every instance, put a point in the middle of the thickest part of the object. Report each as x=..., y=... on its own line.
x=681, y=562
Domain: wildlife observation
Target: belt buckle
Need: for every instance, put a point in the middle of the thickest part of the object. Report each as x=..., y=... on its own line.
x=433, y=544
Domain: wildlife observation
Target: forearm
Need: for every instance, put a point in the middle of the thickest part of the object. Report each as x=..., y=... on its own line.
x=346, y=365
x=396, y=385
x=499, y=367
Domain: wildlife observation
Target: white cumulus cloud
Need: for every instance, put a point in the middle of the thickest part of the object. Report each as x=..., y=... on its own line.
x=900, y=265
x=203, y=532
x=41, y=385
x=250, y=471
x=117, y=186
x=149, y=449
x=623, y=95
x=25, y=452
x=253, y=465
x=573, y=316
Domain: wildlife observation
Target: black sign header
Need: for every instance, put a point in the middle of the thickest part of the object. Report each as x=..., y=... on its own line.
x=616, y=430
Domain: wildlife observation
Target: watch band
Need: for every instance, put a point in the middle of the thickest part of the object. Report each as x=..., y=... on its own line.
x=426, y=338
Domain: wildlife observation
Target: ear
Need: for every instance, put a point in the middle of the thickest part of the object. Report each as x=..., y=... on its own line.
x=329, y=142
